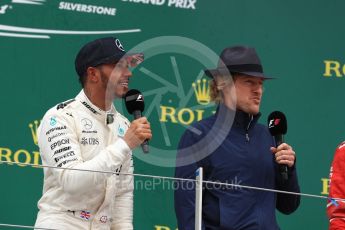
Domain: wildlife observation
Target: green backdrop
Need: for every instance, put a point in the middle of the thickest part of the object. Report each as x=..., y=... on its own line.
x=300, y=43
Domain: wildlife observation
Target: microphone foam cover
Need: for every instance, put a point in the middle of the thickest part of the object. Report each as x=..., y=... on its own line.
x=134, y=101
x=277, y=123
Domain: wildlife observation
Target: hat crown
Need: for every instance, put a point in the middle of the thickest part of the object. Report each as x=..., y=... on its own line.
x=239, y=55
x=99, y=51
x=238, y=59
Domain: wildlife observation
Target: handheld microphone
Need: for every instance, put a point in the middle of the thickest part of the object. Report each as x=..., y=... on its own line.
x=135, y=105
x=277, y=125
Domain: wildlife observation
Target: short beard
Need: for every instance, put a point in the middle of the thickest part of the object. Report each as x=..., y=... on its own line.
x=109, y=88
x=106, y=87
x=104, y=80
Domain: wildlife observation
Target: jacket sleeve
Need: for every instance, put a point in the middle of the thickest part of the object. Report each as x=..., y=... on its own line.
x=185, y=190
x=59, y=147
x=336, y=208
x=287, y=203
x=123, y=212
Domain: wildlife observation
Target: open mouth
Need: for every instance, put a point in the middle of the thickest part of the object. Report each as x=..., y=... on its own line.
x=124, y=83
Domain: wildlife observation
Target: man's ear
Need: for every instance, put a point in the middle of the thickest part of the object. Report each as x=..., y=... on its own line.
x=93, y=74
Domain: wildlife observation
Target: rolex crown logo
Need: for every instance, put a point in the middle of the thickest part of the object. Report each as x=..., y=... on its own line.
x=202, y=91
x=33, y=127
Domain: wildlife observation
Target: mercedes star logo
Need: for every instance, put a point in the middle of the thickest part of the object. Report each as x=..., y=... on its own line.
x=86, y=123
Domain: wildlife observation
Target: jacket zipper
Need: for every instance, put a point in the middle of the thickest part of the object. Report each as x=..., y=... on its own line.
x=247, y=134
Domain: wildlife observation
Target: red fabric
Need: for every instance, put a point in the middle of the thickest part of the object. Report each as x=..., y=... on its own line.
x=336, y=212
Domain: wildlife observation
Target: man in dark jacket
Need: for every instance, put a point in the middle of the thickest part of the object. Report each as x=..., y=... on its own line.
x=233, y=148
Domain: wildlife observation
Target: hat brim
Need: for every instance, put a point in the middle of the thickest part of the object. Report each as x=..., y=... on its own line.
x=226, y=71
x=133, y=59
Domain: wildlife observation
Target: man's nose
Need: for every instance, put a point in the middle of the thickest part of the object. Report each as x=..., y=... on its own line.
x=258, y=89
x=128, y=73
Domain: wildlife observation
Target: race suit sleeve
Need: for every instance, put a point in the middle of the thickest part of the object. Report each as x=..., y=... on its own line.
x=123, y=212
x=185, y=190
x=336, y=208
x=64, y=152
x=287, y=203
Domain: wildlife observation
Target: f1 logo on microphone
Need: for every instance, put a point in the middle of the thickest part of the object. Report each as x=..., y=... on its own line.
x=140, y=97
x=273, y=123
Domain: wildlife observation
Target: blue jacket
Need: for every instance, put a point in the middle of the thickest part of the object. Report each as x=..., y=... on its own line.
x=236, y=154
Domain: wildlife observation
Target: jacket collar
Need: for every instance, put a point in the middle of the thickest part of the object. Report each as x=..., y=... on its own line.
x=245, y=120
x=241, y=120
x=93, y=109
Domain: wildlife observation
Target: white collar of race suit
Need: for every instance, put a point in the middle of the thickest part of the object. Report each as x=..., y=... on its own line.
x=94, y=110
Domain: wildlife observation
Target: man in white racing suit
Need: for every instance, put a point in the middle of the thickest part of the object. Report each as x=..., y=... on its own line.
x=87, y=134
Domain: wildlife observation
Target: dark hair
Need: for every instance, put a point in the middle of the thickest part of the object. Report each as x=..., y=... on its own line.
x=82, y=79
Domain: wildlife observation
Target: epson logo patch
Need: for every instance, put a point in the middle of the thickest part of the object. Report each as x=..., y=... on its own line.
x=58, y=143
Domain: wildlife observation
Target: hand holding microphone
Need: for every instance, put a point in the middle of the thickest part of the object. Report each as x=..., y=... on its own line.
x=284, y=154
x=139, y=131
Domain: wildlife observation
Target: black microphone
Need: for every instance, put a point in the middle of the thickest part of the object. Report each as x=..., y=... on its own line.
x=135, y=105
x=277, y=126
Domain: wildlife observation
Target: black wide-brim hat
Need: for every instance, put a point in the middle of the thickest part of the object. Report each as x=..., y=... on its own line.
x=238, y=59
x=104, y=51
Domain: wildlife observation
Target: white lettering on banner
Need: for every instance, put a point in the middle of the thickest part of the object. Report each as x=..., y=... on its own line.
x=87, y=8
x=153, y=2
x=6, y=7
x=183, y=4
x=3, y=9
